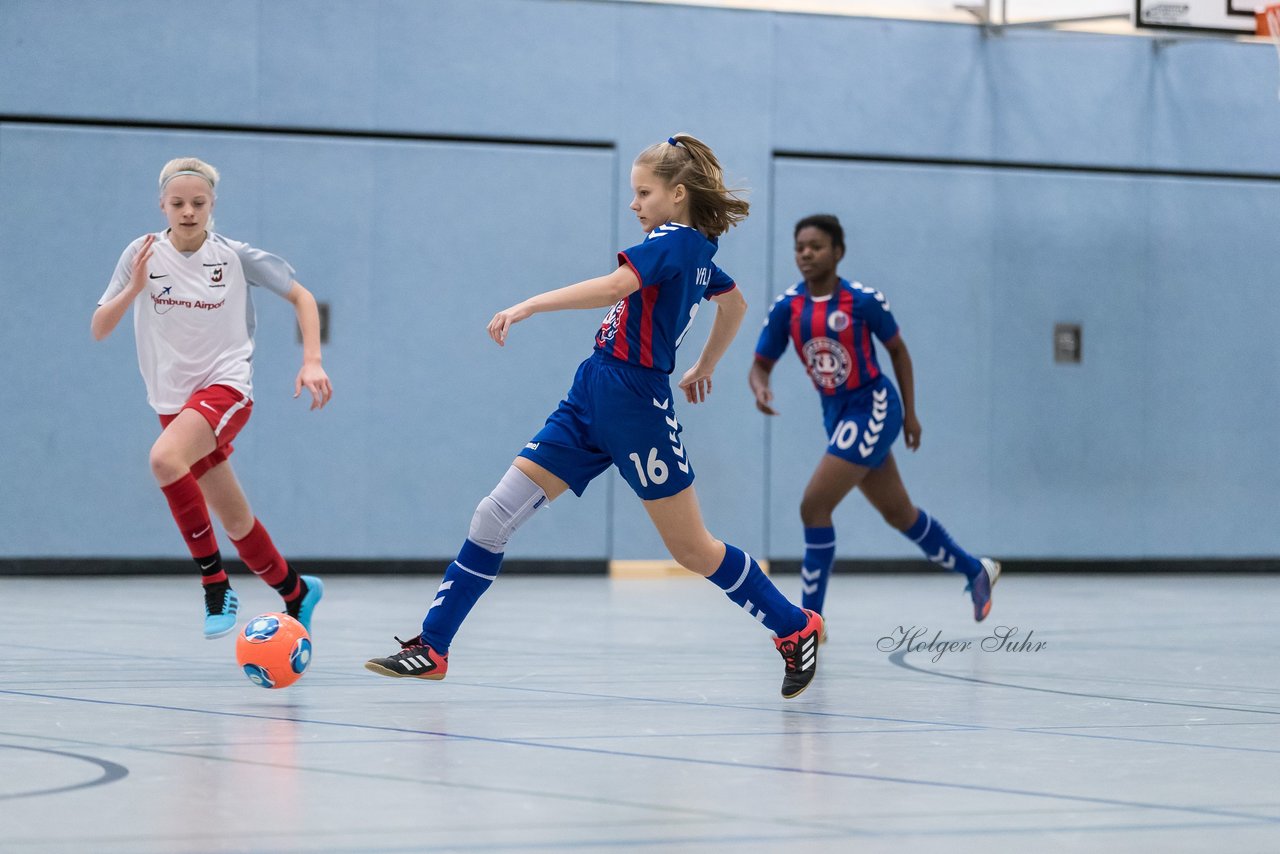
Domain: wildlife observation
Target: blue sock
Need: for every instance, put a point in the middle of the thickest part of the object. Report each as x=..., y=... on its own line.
x=937, y=545
x=464, y=581
x=819, y=555
x=742, y=580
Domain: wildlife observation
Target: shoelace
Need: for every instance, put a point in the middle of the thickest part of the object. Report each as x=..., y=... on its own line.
x=215, y=600
x=413, y=643
x=790, y=659
x=294, y=608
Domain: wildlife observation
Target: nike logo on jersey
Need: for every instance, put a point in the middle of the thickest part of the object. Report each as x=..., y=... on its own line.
x=533, y=446
x=154, y=276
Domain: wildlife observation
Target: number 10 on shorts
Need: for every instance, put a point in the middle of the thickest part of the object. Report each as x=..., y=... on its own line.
x=657, y=469
x=843, y=437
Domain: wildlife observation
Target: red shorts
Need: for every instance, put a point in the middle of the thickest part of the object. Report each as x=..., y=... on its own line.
x=227, y=411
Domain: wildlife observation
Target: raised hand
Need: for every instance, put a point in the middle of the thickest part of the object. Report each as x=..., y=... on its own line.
x=138, y=277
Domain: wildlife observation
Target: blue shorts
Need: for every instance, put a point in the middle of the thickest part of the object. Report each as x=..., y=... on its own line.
x=862, y=425
x=615, y=413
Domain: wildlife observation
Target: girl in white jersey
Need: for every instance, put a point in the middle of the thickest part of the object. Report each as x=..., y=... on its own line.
x=193, y=320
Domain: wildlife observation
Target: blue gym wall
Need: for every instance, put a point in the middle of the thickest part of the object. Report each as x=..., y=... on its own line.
x=991, y=185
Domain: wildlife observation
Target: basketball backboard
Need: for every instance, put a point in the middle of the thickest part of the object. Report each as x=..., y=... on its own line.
x=1228, y=16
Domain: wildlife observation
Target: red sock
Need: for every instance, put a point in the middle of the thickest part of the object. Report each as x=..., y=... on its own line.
x=260, y=555
x=186, y=502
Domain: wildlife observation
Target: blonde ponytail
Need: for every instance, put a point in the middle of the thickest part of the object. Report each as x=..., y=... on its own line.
x=685, y=159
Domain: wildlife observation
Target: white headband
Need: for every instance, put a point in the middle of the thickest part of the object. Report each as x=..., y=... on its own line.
x=166, y=181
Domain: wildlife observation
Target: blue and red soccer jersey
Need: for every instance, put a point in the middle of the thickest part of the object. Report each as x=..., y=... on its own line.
x=676, y=273
x=620, y=410
x=832, y=335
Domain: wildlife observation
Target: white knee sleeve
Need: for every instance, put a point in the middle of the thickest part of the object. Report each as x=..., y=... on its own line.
x=509, y=506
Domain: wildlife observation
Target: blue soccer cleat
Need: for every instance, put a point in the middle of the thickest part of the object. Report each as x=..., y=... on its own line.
x=979, y=589
x=220, y=611
x=301, y=609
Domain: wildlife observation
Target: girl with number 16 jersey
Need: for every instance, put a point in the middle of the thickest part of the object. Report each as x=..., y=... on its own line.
x=620, y=411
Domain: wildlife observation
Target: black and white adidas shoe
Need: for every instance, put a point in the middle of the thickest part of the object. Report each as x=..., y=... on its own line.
x=415, y=660
x=800, y=651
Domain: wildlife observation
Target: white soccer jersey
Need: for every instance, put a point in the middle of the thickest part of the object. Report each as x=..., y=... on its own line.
x=194, y=322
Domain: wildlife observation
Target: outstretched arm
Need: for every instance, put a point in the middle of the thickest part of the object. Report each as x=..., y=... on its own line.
x=731, y=307
x=312, y=375
x=599, y=292
x=903, y=370
x=107, y=316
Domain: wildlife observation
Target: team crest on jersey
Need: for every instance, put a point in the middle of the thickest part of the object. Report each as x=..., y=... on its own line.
x=609, y=328
x=828, y=362
x=216, y=275
x=838, y=321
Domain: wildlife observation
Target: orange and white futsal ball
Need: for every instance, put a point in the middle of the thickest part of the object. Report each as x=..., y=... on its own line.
x=274, y=650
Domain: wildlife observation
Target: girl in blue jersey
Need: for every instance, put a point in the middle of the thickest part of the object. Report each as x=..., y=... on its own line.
x=620, y=411
x=830, y=321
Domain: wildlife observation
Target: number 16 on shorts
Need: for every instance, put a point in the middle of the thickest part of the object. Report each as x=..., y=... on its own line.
x=656, y=469
x=656, y=477
x=661, y=470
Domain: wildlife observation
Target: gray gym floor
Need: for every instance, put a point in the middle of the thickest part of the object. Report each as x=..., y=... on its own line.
x=590, y=714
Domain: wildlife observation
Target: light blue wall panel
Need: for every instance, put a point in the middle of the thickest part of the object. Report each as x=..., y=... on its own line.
x=878, y=87
x=1067, y=440
x=1073, y=98
x=1213, y=396
x=602, y=70
x=445, y=66
x=428, y=412
x=1212, y=105
x=506, y=68
x=1155, y=445
x=77, y=424
x=144, y=59
x=881, y=87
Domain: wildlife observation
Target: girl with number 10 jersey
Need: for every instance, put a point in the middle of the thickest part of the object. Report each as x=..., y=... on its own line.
x=831, y=322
